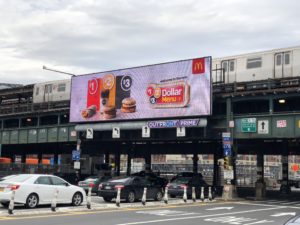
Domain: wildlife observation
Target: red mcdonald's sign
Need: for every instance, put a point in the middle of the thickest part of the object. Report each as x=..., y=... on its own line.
x=198, y=66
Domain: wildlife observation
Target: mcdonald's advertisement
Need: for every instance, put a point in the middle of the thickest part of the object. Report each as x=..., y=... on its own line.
x=167, y=90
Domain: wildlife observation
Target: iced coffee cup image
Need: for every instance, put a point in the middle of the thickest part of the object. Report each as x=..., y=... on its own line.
x=104, y=100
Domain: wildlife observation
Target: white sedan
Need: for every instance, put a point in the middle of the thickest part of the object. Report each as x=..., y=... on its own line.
x=39, y=189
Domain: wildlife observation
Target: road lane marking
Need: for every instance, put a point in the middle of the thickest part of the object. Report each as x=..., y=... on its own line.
x=194, y=217
x=293, y=203
x=220, y=208
x=259, y=204
x=284, y=214
x=19, y=217
x=238, y=220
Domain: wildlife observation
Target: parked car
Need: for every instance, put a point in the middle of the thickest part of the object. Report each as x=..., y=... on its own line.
x=94, y=182
x=7, y=177
x=186, y=174
x=38, y=189
x=181, y=181
x=293, y=221
x=132, y=189
x=152, y=177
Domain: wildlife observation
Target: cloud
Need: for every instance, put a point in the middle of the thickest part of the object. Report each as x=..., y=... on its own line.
x=82, y=36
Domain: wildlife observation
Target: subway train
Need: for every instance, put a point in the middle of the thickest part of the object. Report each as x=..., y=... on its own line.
x=248, y=70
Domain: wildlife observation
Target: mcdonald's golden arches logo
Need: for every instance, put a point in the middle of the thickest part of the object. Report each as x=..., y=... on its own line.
x=198, y=66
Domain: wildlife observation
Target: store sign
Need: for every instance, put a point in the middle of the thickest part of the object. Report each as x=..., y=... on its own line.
x=248, y=125
x=281, y=123
x=174, y=123
x=176, y=89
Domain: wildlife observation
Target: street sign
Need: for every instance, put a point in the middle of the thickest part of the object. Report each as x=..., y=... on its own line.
x=231, y=124
x=75, y=155
x=228, y=174
x=73, y=133
x=227, y=152
x=116, y=132
x=180, y=131
x=281, y=123
x=77, y=165
x=226, y=134
x=248, y=125
x=145, y=132
x=263, y=126
x=89, y=133
x=227, y=143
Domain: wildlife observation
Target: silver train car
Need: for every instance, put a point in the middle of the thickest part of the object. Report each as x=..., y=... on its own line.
x=272, y=64
x=52, y=91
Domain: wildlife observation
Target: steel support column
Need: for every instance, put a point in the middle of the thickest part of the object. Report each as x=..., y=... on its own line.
x=260, y=186
x=285, y=187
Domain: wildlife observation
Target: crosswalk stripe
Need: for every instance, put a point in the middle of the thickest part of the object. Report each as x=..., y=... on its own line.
x=292, y=203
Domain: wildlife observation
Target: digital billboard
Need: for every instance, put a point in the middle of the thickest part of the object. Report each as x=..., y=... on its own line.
x=175, y=89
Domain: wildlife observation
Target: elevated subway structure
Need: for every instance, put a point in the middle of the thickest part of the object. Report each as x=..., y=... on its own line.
x=49, y=132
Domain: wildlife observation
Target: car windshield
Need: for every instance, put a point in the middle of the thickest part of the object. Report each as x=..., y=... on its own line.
x=124, y=180
x=91, y=179
x=182, y=180
x=19, y=178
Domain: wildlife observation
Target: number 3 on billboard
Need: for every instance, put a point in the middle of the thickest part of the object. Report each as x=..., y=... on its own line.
x=126, y=83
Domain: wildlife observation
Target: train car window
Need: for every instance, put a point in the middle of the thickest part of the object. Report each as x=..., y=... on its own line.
x=286, y=58
x=278, y=60
x=61, y=87
x=37, y=90
x=231, y=65
x=225, y=66
x=48, y=88
x=254, y=63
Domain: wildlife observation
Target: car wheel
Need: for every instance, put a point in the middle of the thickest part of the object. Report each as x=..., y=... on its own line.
x=32, y=201
x=106, y=199
x=158, y=196
x=130, y=197
x=77, y=199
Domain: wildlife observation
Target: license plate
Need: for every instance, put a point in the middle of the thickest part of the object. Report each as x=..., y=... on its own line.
x=108, y=187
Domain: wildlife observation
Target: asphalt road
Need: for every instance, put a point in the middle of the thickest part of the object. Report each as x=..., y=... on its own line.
x=239, y=212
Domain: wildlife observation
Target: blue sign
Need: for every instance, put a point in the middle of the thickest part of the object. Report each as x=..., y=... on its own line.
x=227, y=151
x=226, y=146
x=75, y=155
x=227, y=143
x=51, y=161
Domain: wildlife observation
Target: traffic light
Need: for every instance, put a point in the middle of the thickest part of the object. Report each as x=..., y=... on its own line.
x=226, y=163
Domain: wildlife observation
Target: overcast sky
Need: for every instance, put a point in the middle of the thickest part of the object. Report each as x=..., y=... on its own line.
x=85, y=36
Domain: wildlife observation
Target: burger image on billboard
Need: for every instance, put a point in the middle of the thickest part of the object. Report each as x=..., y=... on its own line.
x=109, y=112
x=128, y=105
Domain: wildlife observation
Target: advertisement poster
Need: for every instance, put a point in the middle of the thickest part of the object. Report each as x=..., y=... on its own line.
x=176, y=89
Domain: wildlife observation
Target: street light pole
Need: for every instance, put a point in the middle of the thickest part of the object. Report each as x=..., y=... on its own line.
x=58, y=71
